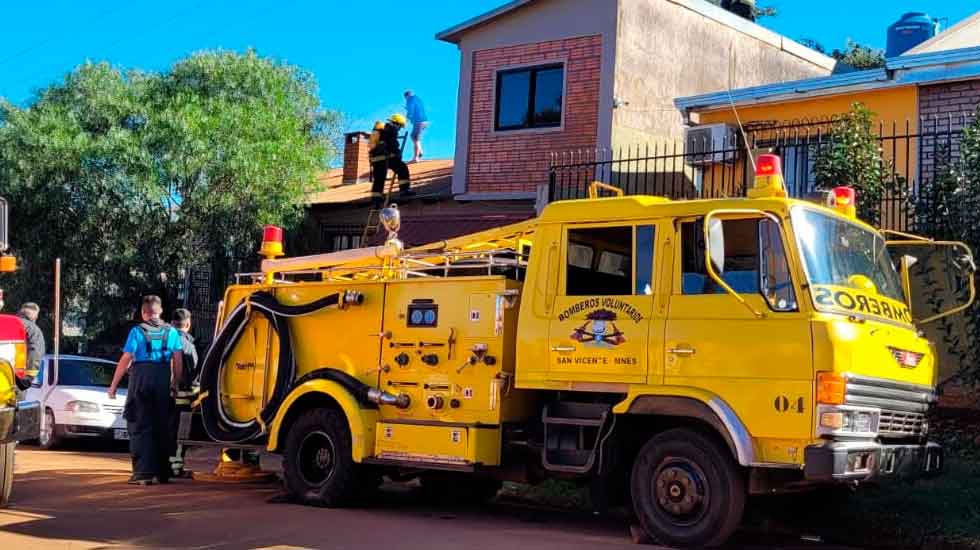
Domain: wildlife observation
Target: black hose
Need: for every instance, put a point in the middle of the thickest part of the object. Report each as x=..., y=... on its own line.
x=217, y=425
x=356, y=388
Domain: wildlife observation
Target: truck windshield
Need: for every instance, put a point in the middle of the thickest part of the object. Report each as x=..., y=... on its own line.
x=843, y=257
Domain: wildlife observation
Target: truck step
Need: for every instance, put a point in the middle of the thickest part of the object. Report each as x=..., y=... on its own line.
x=572, y=435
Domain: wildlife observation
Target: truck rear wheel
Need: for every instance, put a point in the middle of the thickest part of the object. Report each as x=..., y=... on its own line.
x=687, y=490
x=317, y=463
x=6, y=471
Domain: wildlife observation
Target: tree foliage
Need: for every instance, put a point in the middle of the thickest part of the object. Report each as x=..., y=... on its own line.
x=130, y=176
x=855, y=56
x=852, y=156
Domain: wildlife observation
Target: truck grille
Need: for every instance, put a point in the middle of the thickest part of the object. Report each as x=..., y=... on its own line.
x=903, y=406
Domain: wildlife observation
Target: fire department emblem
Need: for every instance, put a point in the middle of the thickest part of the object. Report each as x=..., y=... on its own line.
x=599, y=330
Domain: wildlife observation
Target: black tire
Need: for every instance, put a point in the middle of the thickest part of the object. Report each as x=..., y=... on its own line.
x=318, y=466
x=6, y=471
x=51, y=433
x=686, y=489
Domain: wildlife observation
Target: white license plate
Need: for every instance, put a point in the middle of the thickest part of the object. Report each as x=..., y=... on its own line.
x=120, y=434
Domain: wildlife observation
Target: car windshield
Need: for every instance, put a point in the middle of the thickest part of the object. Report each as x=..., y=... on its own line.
x=79, y=372
x=844, y=254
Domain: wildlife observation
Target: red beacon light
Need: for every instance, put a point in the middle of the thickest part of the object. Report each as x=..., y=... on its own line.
x=272, y=237
x=844, y=200
x=768, y=177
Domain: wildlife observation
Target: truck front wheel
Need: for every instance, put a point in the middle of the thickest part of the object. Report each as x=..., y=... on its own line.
x=317, y=463
x=686, y=490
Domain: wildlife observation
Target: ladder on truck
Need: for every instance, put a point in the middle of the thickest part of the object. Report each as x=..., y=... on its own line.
x=373, y=223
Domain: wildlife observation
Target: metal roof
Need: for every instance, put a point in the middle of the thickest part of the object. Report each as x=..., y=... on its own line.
x=903, y=70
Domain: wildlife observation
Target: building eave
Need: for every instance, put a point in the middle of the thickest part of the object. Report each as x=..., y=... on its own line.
x=453, y=34
x=904, y=70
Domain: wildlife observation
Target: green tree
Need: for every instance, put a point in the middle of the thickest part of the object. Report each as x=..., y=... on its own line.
x=852, y=156
x=855, y=56
x=131, y=176
x=860, y=57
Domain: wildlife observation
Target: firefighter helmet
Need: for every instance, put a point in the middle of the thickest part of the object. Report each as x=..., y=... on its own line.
x=398, y=119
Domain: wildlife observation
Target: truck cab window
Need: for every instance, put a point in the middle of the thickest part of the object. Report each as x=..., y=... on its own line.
x=775, y=278
x=599, y=261
x=741, y=270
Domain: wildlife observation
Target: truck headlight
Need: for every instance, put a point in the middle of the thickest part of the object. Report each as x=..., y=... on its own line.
x=847, y=421
x=82, y=407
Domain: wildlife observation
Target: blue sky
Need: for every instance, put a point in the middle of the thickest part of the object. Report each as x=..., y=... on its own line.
x=364, y=54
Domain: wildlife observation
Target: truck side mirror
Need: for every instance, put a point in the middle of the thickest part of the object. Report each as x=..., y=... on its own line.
x=905, y=265
x=716, y=244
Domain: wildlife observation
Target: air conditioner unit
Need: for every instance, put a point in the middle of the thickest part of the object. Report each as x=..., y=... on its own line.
x=711, y=144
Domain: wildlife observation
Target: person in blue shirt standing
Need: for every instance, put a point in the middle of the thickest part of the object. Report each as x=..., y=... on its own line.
x=152, y=355
x=415, y=110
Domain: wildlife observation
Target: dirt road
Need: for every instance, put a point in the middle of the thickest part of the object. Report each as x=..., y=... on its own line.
x=79, y=500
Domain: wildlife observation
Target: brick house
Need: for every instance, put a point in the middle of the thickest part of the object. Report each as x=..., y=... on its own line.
x=545, y=76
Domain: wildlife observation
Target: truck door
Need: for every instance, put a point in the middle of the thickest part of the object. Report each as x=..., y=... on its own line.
x=601, y=320
x=762, y=367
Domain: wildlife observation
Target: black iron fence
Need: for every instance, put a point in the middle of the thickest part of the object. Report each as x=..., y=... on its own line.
x=712, y=162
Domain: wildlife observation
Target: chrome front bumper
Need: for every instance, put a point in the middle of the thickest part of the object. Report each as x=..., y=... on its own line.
x=21, y=421
x=870, y=461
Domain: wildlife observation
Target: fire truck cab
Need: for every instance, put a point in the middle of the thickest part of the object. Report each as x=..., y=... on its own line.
x=19, y=420
x=678, y=355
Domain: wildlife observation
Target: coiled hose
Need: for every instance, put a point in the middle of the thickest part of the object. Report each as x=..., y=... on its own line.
x=217, y=423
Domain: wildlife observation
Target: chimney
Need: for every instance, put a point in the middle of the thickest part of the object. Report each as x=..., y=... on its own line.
x=356, y=163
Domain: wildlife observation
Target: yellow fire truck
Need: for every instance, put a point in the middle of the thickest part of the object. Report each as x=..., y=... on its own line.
x=677, y=355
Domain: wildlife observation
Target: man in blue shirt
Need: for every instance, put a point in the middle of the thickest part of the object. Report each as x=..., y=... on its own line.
x=152, y=356
x=415, y=111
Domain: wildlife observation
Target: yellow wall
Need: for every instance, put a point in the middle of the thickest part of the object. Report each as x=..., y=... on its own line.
x=893, y=104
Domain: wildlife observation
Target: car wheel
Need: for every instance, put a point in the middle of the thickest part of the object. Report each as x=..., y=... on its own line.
x=6, y=471
x=318, y=466
x=687, y=490
x=50, y=436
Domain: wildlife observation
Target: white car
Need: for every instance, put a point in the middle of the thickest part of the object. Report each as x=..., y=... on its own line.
x=74, y=402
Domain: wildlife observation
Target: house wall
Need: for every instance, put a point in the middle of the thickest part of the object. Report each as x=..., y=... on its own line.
x=673, y=48
x=516, y=161
x=501, y=165
x=948, y=106
x=898, y=105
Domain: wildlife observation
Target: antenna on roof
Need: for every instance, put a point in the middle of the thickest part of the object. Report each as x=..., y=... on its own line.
x=731, y=101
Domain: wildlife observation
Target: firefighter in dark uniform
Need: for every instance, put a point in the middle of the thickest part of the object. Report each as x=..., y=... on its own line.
x=152, y=356
x=187, y=388
x=385, y=154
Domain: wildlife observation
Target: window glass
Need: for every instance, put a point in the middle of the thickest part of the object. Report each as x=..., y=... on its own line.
x=39, y=379
x=644, y=259
x=609, y=271
x=50, y=374
x=548, y=86
x=775, y=278
x=529, y=97
x=741, y=258
x=77, y=372
x=512, y=93
x=580, y=255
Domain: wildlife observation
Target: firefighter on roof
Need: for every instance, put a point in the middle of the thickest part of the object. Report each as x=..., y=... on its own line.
x=386, y=153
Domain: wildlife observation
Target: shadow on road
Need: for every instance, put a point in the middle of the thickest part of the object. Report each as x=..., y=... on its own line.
x=83, y=500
